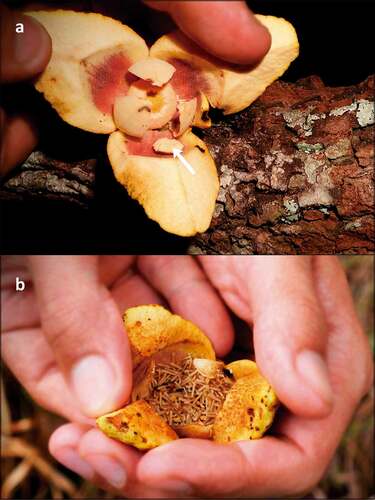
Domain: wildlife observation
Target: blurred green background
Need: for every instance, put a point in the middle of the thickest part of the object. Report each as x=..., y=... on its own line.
x=28, y=471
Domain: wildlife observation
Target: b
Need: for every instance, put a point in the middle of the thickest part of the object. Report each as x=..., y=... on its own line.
x=20, y=285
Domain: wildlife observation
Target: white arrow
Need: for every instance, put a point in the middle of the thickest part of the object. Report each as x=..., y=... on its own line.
x=178, y=153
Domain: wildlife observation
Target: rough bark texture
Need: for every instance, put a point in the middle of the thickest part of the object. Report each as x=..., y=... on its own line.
x=43, y=177
x=296, y=172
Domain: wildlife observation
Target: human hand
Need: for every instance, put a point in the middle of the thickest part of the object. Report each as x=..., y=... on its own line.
x=22, y=57
x=308, y=344
x=63, y=336
x=225, y=29
x=228, y=30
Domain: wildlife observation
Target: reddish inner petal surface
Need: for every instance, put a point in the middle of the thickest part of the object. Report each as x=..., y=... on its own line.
x=187, y=81
x=143, y=146
x=109, y=80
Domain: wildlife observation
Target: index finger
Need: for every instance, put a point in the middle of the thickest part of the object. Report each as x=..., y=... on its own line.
x=82, y=325
x=227, y=30
x=189, y=293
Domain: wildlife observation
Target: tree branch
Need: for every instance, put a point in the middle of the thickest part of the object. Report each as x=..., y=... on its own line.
x=296, y=172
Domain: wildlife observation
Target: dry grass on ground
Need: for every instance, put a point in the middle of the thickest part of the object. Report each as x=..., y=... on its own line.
x=27, y=470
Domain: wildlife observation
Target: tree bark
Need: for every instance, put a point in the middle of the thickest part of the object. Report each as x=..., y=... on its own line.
x=43, y=177
x=296, y=173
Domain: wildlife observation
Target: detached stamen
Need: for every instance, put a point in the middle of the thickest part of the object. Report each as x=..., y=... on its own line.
x=176, y=387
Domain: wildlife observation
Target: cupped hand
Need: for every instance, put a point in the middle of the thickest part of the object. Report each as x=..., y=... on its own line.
x=308, y=344
x=64, y=340
x=227, y=29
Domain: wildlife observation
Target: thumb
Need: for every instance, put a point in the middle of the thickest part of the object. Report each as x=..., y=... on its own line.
x=225, y=29
x=23, y=54
x=83, y=326
x=290, y=333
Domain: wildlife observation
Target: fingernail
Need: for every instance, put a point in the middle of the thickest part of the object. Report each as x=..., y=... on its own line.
x=312, y=368
x=93, y=381
x=109, y=469
x=71, y=460
x=176, y=486
x=30, y=45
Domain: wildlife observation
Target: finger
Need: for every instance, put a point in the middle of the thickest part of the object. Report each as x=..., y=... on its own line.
x=132, y=290
x=127, y=287
x=116, y=464
x=226, y=273
x=83, y=326
x=34, y=368
x=337, y=302
x=227, y=30
x=19, y=137
x=105, y=462
x=113, y=267
x=203, y=468
x=63, y=446
x=350, y=365
x=290, y=332
x=185, y=286
x=23, y=55
x=277, y=295
x=346, y=347
x=37, y=371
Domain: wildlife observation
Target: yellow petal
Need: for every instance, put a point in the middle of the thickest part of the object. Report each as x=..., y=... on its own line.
x=242, y=367
x=182, y=203
x=90, y=51
x=248, y=410
x=152, y=328
x=227, y=86
x=243, y=85
x=138, y=425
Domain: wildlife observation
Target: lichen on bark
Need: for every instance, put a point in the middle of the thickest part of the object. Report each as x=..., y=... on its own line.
x=45, y=178
x=296, y=172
